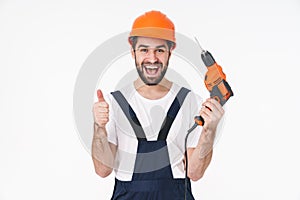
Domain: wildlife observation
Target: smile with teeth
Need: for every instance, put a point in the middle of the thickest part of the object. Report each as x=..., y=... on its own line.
x=152, y=70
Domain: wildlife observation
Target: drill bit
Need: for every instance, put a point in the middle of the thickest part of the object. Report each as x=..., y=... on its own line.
x=202, y=50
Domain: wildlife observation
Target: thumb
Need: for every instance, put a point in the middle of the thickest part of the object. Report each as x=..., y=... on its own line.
x=100, y=96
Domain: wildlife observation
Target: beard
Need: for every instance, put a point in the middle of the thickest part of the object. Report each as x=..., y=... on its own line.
x=151, y=81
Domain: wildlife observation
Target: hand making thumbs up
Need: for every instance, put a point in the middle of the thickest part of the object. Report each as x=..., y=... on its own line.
x=101, y=110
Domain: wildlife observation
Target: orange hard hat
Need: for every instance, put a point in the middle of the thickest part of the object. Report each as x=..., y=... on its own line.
x=154, y=24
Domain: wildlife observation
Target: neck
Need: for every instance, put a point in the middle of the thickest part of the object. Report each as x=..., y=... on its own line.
x=153, y=91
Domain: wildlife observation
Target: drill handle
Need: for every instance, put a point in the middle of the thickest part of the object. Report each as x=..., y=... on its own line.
x=199, y=120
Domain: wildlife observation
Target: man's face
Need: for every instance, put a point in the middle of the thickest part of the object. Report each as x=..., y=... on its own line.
x=151, y=59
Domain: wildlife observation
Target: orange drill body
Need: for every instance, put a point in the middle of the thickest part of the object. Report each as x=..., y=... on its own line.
x=215, y=82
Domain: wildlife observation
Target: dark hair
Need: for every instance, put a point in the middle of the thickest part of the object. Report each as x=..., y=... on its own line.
x=133, y=41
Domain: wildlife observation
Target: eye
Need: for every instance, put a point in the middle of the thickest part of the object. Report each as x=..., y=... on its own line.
x=143, y=50
x=160, y=50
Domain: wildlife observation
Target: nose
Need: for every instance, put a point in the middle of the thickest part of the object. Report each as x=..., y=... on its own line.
x=152, y=56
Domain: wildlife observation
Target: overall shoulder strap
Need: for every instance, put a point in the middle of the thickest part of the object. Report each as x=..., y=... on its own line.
x=130, y=115
x=172, y=113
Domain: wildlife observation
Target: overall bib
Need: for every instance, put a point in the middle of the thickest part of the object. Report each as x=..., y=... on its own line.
x=152, y=176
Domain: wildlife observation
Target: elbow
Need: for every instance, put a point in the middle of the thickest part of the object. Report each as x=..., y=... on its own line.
x=103, y=172
x=101, y=169
x=195, y=176
x=195, y=172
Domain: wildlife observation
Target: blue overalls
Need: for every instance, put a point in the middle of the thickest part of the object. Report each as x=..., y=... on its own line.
x=152, y=176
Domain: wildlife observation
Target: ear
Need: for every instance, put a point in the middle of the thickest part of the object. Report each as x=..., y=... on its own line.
x=171, y=50
x=132, y=52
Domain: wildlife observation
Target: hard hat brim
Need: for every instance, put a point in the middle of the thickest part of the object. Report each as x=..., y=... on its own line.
x=154, y=32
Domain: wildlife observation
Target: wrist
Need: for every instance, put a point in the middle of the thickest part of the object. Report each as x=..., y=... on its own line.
x=99, y=132
x=102, y=138
x=209, y=131
x=207, y=137
x=205, y=144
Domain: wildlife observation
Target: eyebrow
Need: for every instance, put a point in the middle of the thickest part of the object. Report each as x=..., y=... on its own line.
x=146, y=46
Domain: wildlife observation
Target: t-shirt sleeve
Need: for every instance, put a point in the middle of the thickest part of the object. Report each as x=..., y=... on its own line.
x=111, y=124
x=195, y=106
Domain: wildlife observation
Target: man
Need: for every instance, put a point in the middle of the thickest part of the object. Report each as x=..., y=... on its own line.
x=140, y=130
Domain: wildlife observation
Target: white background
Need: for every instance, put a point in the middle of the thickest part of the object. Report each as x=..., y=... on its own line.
x=43, y=45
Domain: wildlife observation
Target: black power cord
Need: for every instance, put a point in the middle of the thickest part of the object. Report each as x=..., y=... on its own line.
x=186, y=158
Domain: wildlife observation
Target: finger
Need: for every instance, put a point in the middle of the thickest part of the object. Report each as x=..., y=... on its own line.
x=103, y=104
x=102, y=115
x=213, y=105
x=205, y=115
x=217, y=105
x=100, y=96
x=209, y=105
x=99, y=108
x=211, y=118
x=102, y=110
x=101, y=119
x=104, y=121
x=205, y=112
x=215, y=111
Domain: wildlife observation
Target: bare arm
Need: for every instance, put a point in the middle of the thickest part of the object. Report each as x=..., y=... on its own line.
x=200, y=157
x=103, y=152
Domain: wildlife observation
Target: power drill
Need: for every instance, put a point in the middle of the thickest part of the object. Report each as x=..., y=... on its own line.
x=215, y=81
x=219, y=89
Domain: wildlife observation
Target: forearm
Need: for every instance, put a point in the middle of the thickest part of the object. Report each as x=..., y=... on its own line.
x=102, y=152
x=200, y=157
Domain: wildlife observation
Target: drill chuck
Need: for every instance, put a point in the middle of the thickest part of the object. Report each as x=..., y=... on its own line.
x=207, y=58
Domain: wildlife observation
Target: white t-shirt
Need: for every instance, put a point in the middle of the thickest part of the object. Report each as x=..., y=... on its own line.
x=151, y=114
